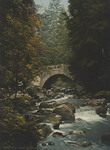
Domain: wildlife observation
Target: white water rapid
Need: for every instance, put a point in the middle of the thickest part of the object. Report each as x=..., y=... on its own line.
x=86, y=120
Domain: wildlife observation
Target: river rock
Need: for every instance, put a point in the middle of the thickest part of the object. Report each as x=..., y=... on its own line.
x=105, y=138
x=70, y=105
x=44, y=111
x=60, y=95
x=79, y=132
x=44, y=144
x=50, y=93
x=51, y=143
x=46, y=130
x=101, y=111
x=79, y=119
x=55, y=119
x=41, y=95
x=55, y=104
x=46, y=105
x=65, y=112
x=83, y=143
x=95, y=102
x=57, y=134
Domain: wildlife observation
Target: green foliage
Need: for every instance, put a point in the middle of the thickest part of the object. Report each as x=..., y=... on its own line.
x=10, y=120
x=23, y=104
x=63, y=82
x=16, y=132
x=20, y=53
x=20, y=45
x=89, y=26
x=55, y=34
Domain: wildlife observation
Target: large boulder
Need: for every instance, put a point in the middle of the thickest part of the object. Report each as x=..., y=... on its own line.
x=54, y=119
x=101, y=111
x=58, y=134
x=65, y=112
x=72, y=106
x=56, y=104
x=105, y=138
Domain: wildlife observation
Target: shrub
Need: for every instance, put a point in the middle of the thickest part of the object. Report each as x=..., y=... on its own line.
x=16, y=132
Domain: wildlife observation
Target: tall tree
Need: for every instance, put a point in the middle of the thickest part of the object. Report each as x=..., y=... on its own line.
x=55, y=33
x=89, y=25
x=63, y=50
x=20, y=45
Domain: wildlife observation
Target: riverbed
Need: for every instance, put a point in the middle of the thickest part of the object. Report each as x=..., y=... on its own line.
x=85, y=120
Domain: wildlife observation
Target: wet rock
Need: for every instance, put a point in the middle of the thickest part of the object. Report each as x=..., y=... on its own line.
x=46, y=130
x=56, y=89
x=44, y=144
x=65, y=112
x=54, y=119
x=51, y=143
x=105, y=138
x=70, y=105
x=59, y=96
x=101, y=111
x=79, y=132
x=44, y=111
x=79, y=119
x=55, y=104
x=83, y=143
x=95, y=102
x=46, y=105
x=56, y=126
x=57, y=134
x=99, y=102
x=41, y=95
x=50, y=93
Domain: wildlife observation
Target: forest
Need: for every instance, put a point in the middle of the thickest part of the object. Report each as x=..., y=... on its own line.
x=30, y=41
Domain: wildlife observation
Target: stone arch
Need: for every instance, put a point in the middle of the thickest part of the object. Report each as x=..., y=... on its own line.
x=50, y=80
x=50, y=71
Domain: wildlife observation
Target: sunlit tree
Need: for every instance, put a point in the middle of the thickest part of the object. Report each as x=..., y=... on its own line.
x=20, y=45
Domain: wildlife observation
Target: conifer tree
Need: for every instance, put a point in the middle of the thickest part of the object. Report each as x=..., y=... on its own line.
x=89, y=26
x=55, y=34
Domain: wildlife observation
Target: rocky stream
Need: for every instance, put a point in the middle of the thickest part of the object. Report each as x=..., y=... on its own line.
x=75, y=123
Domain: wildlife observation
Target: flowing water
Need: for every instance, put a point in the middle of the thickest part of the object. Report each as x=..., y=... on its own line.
x=89, y=122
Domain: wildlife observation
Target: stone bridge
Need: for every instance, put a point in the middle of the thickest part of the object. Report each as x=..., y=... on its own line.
x=50, y=71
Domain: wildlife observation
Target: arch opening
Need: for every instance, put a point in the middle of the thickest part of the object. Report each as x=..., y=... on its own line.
x=53, y=80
